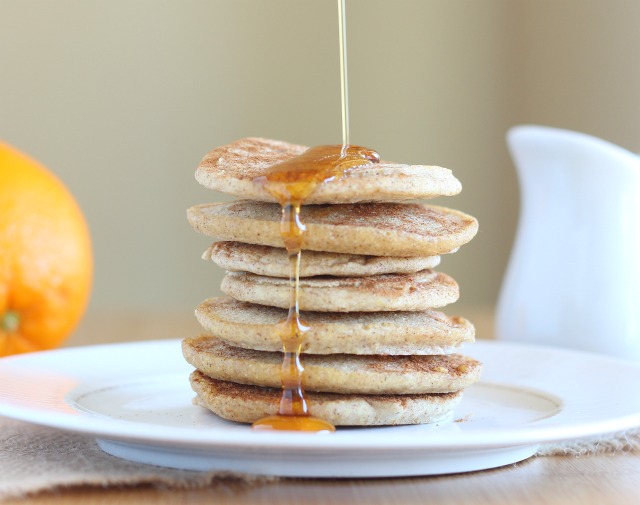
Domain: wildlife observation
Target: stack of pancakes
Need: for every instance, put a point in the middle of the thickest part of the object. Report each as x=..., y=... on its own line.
x=377, y=353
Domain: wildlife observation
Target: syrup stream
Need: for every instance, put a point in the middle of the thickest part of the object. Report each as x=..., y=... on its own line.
x=290, y=183
x=344, y=81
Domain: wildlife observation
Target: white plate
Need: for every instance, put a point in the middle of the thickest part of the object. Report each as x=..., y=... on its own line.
x=135, y=399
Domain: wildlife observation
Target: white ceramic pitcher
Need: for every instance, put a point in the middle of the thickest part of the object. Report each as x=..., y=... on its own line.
x=574, y=275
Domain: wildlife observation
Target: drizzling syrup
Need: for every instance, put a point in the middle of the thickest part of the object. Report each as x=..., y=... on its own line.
x=344, y=82
x=290, y=183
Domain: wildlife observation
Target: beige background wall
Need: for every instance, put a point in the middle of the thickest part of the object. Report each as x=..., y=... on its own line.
x=122, y=98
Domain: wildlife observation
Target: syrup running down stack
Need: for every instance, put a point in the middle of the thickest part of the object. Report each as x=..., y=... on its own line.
x=329, y=316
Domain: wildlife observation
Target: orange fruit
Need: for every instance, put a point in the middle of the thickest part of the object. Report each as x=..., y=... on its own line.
x=46, y=262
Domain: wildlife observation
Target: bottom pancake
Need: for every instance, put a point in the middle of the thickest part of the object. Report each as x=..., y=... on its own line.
x=247, y=404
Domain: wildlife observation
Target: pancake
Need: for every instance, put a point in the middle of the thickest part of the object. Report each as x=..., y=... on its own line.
x=247, y=404
x=231, y=169
x=377, y=229
x=274, y=261
x=335, y=373
x=253, y=327
x=389, y=292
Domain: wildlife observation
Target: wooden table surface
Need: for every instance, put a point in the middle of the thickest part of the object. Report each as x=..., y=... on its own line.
x=595, y=479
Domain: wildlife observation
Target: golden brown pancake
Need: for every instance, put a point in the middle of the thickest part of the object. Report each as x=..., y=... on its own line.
x=231, y=169
x=247, y=404
x=274, y=261
x=377, y=229
x=336, y=373
x=389, y=292
x=254, y=327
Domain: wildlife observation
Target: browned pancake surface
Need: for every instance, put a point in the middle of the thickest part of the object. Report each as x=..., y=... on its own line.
x=232, y=168
x=274, y=261
x=335, y=373
x=377, y=229
x=399, y=333
x=247, y=404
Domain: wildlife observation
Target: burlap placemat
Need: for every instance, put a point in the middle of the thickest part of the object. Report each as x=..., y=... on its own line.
x=34, y=459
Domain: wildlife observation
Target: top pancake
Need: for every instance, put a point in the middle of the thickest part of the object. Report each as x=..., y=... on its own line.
x=232, y=168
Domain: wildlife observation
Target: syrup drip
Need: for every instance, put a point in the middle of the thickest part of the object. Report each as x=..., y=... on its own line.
x=290, y=183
